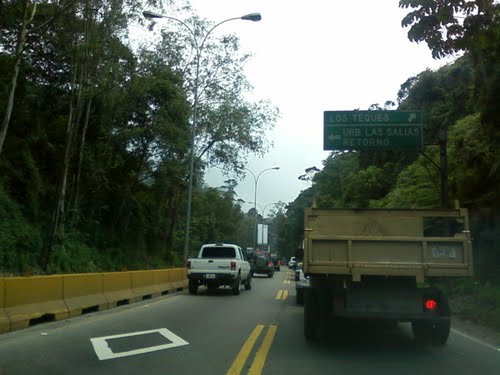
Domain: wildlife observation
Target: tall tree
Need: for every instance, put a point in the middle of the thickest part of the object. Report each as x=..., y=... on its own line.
x=28, y=10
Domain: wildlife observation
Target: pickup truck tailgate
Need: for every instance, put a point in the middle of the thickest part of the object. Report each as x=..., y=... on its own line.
x=210, y=265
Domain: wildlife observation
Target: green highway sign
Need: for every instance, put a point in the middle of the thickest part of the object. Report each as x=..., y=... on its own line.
x=380, y=130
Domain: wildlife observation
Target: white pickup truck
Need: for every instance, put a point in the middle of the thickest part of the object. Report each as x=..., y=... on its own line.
x=219, y=264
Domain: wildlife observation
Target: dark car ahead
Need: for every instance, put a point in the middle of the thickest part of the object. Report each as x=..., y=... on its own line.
x=261, y=263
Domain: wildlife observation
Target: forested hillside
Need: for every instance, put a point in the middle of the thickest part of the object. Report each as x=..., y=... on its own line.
x=95, y=138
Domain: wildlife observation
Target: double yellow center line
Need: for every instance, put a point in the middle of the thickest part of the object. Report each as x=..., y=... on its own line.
x=282, y=294
x=260, y=356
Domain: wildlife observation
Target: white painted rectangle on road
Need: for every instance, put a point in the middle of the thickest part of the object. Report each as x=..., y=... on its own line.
x=104, y=352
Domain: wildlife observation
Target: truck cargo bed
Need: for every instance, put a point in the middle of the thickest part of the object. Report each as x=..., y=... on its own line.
x=357, y=242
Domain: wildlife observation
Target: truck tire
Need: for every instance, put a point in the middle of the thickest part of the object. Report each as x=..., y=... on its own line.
x=193, y=287
x=317, y=313
x=431, y=332
x=436, y=331
x=248, y=282
x=270, y=274
x=236, y=285
x=299, y=296
x=310, y=311
x=442, y=327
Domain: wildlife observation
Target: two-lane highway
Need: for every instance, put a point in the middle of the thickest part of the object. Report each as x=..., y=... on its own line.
x=257, y=332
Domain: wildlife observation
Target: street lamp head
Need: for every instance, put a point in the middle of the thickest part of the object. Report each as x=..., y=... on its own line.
x=149, y=14
x=276, y=168
x=255, y=17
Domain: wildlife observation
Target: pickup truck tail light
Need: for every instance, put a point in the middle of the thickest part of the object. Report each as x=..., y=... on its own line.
x=233, y=265
x=269, y=264
x=188, y=264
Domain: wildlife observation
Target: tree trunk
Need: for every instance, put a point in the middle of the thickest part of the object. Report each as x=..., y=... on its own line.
x=80, y=156
x=17, y=62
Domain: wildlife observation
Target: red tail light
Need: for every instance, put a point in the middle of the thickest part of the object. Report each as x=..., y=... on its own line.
x=279, y=262
x=269, y=264
x=233, y=265
x=430, y=304
x=188, y=265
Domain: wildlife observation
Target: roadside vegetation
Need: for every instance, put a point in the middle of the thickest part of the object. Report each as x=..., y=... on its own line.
x=96, y=133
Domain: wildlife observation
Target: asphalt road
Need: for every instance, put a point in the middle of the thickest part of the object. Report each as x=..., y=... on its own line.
x=257, y=332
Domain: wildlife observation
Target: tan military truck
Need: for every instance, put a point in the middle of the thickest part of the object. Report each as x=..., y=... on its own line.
x=379, y=264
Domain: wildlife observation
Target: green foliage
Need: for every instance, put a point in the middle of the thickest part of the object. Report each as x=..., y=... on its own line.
x=127, y=161
x=473, y=300
x=416, y=187
x=20, y=241
x=440, y=24
x=472, y=154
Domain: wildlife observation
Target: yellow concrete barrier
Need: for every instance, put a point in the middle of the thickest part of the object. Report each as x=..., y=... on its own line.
x=179, y=278
x=4, y=319
x=36, y=299
x=31, y=298
x=84, y=292
x=162, y=281
x=143, y=284
x=118, y=288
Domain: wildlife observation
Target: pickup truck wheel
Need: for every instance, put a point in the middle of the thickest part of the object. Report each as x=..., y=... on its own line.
x=270, y=274
x=236, y=285
x=193, y=287
x=248, y=282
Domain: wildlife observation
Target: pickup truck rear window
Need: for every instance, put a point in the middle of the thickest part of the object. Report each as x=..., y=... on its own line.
x=218, y=252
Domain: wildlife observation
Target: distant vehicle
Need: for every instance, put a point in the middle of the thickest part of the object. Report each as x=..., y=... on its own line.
x=261, y=263
x=276, y=261
x=219, y=264
x=292, y=263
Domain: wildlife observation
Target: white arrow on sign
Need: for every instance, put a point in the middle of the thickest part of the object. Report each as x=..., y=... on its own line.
x=413, y=117
x=334, y=137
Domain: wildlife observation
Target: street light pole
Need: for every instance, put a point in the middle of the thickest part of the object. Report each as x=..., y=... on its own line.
x=255, y=17
x=256, y=180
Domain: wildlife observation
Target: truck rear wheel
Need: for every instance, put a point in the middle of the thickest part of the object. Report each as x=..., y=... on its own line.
x=236, y=285
x=316, y=313
x=436, y=331
x=248, y=282
x=310, y=311
x=432, y=332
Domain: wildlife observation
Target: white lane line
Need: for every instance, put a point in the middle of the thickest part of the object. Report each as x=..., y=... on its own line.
x=104, y=352
x=477, y=341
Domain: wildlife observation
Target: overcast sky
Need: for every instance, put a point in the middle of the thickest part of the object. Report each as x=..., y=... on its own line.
x=308, y=57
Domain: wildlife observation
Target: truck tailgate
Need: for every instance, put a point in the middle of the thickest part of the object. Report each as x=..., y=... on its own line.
x=384, y=242
x=210, y=265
